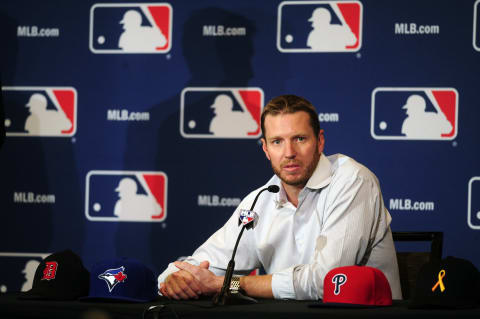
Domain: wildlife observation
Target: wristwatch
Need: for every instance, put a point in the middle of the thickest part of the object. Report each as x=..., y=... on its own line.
x=235, y=285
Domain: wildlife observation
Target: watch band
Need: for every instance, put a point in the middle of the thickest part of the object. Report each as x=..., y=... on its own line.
x=235, y=284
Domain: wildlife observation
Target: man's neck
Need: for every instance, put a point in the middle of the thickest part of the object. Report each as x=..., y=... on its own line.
x=292, y=192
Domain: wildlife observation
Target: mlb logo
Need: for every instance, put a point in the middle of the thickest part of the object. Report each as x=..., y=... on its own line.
x=18, y=270
x=221, y=112
x=246, y=217
x=474, y=203
x=476, y=26
x=117, y=196
x=414, y=113
x=40, y=111
x=319, y=26
x=125, y=28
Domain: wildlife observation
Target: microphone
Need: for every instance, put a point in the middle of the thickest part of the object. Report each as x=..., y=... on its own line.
x=247, y=218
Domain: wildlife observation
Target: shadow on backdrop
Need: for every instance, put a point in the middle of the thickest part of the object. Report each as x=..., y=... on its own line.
x=40, y=165
x=195, y=165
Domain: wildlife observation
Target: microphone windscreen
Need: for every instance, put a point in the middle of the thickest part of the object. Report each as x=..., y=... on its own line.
x=273, y=188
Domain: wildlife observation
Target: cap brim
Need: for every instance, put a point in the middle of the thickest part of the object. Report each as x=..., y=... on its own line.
x=113, y=299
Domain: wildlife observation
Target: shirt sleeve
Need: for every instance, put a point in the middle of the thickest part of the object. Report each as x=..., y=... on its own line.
x=354, y=221
x=218, y=249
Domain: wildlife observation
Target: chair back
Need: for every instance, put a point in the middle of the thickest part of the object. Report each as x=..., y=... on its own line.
x=409, y=263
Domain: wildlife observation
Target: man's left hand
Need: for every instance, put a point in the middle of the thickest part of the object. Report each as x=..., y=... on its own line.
x=211, y=283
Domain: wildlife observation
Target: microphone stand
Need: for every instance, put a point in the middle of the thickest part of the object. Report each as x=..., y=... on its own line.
x=225, y=296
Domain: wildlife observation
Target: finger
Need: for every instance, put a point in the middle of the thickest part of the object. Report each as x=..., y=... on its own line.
x=188, y=290
x=195, y=285
x=192, y=282
x=170, y=293
x=205, y=264
x=179, y=286
x=183, y=280
x=174, y=291
x=186, y=266
x=162, y=289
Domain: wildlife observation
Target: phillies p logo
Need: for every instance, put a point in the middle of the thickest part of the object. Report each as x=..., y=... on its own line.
x=338, y=280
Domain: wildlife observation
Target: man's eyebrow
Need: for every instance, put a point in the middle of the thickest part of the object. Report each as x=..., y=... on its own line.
x=273, y=138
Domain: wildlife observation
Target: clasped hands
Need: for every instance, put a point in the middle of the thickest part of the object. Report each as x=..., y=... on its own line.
x=191, y=281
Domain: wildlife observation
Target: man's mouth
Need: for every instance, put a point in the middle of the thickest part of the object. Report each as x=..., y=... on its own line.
x=291, y=167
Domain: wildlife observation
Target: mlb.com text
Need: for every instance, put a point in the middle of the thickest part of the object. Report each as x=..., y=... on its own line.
x=125, y=115
x=413, y=28
x=222, y=31
x=215, y=200
x=408, y=204
x=329, y=117
x=32, y=198
x=34, y=31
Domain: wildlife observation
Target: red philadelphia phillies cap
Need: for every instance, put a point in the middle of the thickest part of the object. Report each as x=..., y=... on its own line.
x=355, y=286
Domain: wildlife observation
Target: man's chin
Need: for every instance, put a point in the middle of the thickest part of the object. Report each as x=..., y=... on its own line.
x=298, y=181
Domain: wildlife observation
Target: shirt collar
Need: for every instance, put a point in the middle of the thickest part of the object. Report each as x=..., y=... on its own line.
x=321, y=177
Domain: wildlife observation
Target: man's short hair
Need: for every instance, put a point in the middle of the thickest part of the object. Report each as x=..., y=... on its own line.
x=288, y=104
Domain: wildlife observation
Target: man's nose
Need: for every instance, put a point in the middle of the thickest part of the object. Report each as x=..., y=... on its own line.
x=290, y=150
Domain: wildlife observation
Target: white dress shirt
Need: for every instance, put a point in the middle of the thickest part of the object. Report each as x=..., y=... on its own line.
x=340, y=220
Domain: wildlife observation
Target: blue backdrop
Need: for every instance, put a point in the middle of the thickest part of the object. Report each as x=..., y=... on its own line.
x=111, y=104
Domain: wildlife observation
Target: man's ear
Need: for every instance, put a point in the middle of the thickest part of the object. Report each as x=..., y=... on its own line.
x=264, y=147
x=321, y=141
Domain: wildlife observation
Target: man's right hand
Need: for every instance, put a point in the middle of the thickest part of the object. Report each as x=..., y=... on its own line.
x=181, y=285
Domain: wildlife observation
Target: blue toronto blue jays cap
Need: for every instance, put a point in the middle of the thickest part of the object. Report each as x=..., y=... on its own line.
x=122, y=279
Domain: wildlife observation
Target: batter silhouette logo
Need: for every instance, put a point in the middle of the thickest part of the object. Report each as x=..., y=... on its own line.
x=414, y=113
x=319, y=26
x=40, y=111
x=21, y=268
x=125, y=28
x=221, y=112
x=474, y=203
x=126, y=196
x=476, y=26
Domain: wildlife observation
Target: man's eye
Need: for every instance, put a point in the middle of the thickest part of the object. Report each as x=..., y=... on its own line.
x=300, y=138
x=276, y=142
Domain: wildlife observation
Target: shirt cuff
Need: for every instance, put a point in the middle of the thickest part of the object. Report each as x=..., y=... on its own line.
x=282, y=284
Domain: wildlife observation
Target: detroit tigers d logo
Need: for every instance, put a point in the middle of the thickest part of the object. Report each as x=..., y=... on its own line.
x=338, y=280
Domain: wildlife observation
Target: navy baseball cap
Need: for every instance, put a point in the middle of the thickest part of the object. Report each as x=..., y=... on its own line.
x=60, y=276
x=122, y=279
x=448, y=283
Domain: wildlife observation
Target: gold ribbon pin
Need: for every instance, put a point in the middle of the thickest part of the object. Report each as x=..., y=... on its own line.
x=441, y=274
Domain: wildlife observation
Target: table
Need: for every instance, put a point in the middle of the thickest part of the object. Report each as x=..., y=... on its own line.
x=12, y=308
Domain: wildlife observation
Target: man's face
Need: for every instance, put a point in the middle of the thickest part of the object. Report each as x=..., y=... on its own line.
x=292, y=147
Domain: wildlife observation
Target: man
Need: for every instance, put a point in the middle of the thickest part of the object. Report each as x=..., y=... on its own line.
x=329, y=213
